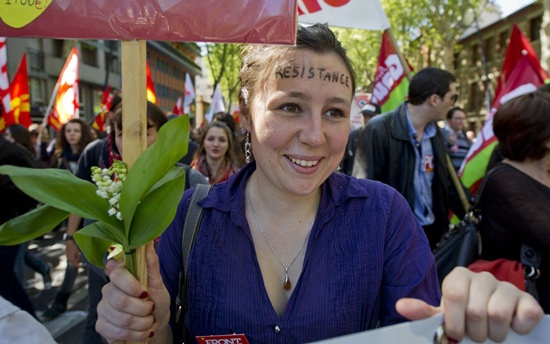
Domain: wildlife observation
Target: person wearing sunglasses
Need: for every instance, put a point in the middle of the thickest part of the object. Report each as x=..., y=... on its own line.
x=405, y=149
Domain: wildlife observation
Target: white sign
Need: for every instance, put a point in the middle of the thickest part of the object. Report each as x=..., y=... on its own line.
x=423, y=332
x=354, y=14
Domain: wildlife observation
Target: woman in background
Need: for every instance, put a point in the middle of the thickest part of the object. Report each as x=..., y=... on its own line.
x=516, y=198
x=215, y=158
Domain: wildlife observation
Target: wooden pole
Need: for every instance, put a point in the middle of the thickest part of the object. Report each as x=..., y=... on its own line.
x=134, y=119
x=400, y=54
x=199, y=112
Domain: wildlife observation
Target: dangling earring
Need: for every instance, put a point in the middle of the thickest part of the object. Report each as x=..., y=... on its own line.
x=247, y=152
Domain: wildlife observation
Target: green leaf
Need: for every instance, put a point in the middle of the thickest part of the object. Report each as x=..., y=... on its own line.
x=31, y=225
x=94, y=241
x=62, y=190
x=156, y=212
x=152, y=165
x=174, y=172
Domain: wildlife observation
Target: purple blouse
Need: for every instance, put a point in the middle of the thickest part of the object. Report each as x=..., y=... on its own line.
x=365, y=252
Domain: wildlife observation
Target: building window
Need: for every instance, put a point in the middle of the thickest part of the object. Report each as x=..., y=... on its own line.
x=36, y=59
x=503, y=42
x=536, y=24
x=456, y=60
x=475, y=53
x=489, y=47
x=36, y=91
x=57, y=48
x=89, y=54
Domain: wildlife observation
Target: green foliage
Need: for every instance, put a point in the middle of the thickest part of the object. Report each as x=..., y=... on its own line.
x=152, y=165
x=31, y=225
x=363, y=48
x=224, y=64
x=149, y=199
x=429, y=30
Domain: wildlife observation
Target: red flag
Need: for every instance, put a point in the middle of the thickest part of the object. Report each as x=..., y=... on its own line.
x=20, y=103
x=525, y=78
x=66, y=102
x=514, y=54
x=4, y=81
x=99, y=121
x=151, y=95
x=390, y=83
x=178, y=109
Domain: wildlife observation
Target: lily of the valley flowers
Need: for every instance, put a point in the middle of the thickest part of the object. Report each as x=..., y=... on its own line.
x=108, y=188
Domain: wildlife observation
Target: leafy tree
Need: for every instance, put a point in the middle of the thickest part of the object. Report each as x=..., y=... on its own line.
x=363, y=48
x=429, y=30
x=224, y=64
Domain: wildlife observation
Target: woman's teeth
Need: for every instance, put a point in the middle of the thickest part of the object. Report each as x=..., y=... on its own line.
x=304, y=163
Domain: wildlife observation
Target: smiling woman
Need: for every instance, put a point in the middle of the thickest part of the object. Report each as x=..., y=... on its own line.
x=290, y=251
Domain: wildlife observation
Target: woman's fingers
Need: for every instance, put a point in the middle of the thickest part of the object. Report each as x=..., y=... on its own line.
x=115, y=333
x=481, y=289
x=454, y=300
x=415, y=309
x=125, y=319
x=127, y=298
x=528, y=314
x=478, y=305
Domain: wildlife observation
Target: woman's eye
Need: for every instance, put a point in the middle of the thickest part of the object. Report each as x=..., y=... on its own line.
x=291, y=108
x=335, y=113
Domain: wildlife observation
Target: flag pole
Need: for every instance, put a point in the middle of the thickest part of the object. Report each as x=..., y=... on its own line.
x=134, y=129
x=404, y=63
x=50, y=105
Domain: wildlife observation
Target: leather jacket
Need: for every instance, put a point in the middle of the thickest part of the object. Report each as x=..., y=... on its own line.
x=387, y=154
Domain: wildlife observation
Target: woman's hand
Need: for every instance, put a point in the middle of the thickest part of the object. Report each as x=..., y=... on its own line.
x=72, y=253
x=479, y=306
x=128, y=311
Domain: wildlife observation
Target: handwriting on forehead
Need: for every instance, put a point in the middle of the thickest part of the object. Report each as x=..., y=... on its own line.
x=312, y=73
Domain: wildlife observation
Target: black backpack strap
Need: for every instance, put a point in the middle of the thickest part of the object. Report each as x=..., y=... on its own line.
x=190, y=229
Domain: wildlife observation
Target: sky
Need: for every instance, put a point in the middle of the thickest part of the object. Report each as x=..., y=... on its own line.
x=510, y=6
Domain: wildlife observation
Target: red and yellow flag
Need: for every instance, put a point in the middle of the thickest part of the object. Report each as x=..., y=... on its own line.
x=20, y=103
x=151, y=95
x=66, y=103
x=99, y=121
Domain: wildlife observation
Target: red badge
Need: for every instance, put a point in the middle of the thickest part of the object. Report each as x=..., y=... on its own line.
x=225, y=339
x=429, y=163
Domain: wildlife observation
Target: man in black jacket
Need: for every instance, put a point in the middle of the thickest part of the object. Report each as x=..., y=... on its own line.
x=405, y=149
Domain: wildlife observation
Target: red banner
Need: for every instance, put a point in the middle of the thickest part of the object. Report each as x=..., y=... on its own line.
x=239, y=21
x=20, y=103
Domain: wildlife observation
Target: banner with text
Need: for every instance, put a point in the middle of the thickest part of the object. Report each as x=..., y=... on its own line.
x=239, y=21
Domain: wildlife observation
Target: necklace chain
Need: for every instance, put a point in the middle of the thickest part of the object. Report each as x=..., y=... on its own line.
x=286, y=283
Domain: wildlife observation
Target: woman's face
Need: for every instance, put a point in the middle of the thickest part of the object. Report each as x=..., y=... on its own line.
x=216, y=143
x=300, y=121
x=73, y=133
x=151, y=136
x=7, y=135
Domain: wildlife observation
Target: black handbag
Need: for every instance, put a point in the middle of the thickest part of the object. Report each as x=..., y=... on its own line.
x=460, y=246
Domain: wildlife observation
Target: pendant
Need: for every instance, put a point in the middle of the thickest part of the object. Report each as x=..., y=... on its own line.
x=286, y=283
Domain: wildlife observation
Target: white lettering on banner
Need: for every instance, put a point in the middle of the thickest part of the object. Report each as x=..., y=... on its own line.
x=389, y=74
x=312, y=6
x=224, y=341
x=396, y=69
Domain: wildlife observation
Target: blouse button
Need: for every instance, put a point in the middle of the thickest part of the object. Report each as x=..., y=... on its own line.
x=277, y=329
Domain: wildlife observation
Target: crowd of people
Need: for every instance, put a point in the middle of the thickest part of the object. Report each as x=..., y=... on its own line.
x=291, y=250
